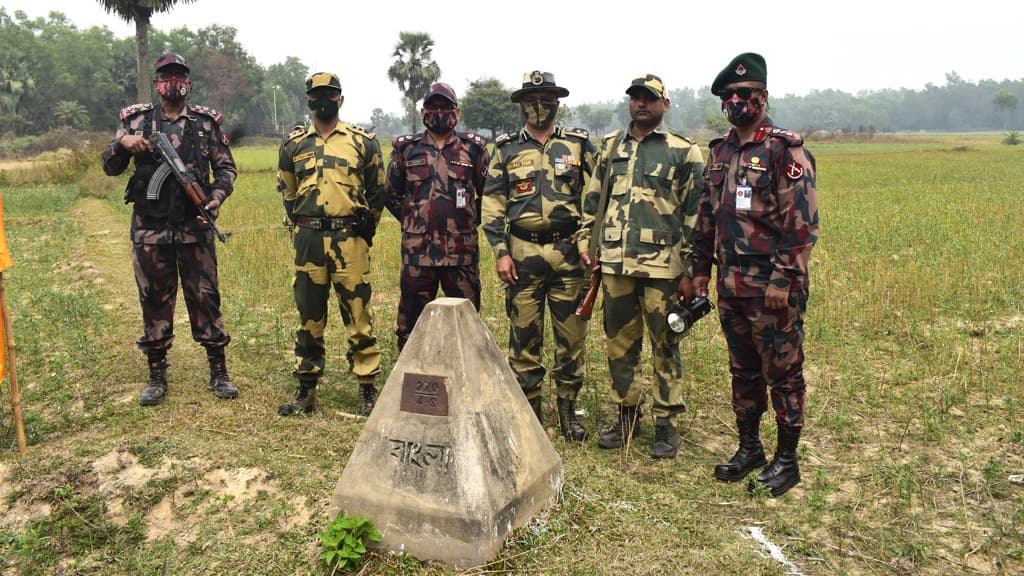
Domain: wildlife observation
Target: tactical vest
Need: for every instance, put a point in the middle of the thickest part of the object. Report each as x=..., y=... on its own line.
x=172, y=204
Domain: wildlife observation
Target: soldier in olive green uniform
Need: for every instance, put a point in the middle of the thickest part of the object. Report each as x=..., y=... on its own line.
x=643, y=253
x=331, y=176
x=531, y=212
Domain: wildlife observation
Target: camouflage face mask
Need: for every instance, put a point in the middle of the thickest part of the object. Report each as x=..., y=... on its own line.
x=538, y=114
x=173, y=89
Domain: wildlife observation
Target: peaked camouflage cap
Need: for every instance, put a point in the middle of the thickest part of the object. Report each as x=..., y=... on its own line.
x=171, y=59
x=747, y=67
x=322, y=79
x=649, y=82
x=440, y=89
x=537, y=80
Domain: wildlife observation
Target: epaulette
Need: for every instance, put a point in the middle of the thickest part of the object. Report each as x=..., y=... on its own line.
x=577, y=132
x=405, y=140
x=678, y=135
x=474, y=138
x=207, y=111
x=135, y=109
x=611, y=136
x=360, y=130
x=505, y=138
x=297, y=132
x=791, y=138
x=716, y=141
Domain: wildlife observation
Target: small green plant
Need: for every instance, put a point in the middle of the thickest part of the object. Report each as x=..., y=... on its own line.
x=1012, y=138
x=344, y=541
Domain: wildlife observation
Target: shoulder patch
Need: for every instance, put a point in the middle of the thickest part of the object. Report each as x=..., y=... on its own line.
x=791, y=138
x=360, y=130
x=474, y=138
x=135, y=109
x=577, y=132
x=207, y=111
x=504, y=138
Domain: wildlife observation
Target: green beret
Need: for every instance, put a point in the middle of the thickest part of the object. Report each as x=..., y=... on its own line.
x=747, y=67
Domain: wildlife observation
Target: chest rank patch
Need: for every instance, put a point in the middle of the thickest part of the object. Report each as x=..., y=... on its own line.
x=523, y=186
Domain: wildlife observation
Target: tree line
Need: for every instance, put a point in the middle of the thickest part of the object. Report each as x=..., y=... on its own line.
x=54, y=75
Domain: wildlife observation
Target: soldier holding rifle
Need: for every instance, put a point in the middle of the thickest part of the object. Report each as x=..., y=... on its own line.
x=170, y=237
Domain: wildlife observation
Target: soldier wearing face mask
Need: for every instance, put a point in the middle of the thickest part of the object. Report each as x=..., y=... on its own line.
x=758, y=221
x=532, y=205
x=331, y=178
x=169, y=238
x=434, y=182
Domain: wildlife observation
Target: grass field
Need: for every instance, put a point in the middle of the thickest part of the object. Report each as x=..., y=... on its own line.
x=915, y=405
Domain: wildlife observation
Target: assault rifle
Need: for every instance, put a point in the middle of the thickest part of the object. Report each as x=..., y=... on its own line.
x=172, y=164
x=593, y=280
x=586, y=307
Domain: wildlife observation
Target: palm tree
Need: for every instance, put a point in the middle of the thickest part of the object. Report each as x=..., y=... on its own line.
x=139, y=11
x=414, y=70
x=70, y=114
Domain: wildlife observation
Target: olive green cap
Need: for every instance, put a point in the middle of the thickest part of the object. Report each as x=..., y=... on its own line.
x=747, y=67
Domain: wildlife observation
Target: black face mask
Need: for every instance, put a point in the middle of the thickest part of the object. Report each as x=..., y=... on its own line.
x=324, y=109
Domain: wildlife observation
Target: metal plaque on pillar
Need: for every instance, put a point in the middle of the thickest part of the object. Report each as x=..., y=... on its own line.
x=424, y=394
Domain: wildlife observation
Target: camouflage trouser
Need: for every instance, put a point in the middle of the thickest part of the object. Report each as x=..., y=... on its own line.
x=766, y=349
x=629, y=304
x=157, y=268
x=551, y=274
x=325, y=259
x=419, y=288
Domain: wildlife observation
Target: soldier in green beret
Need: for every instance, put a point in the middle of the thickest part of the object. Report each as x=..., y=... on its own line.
x=531, y=211
x=758, y=221
x=654, y=177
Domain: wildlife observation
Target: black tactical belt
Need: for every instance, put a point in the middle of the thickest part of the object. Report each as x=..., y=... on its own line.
x=542, y=236
x=324, y=223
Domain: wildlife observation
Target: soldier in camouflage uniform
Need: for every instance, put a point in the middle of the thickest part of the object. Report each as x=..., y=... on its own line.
x=531, y=213
x=331, y=177
x=655, y=177
x=169, y=238
x=434, y=182
x=758, y=222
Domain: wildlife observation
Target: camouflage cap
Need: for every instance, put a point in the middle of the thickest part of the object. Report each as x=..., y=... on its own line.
x=171, y=59
x=537, y=80
x=443, y=90
x=649, y=82
x=322, y=79
x=747, y=67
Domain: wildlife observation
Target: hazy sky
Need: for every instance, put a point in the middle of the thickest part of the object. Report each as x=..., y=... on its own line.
x=594, y=48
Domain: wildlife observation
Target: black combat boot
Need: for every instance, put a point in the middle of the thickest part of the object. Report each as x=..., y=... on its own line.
x=572, y=428
x=156, y=384
x=627, y=424
x=783, y=472
x=750, y=455
x=367, y=398
x=666, y=439
x=304, y=401
x=535, y=403
x=220, y=383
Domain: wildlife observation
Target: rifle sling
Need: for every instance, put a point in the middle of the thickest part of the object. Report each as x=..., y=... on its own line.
x=602, y=202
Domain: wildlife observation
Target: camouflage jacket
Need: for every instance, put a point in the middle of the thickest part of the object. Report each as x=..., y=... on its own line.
x=758, y=213
x=171, y=218
x=435, y=194
x=333, y=177
x=654, y=185
x=535, y=186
